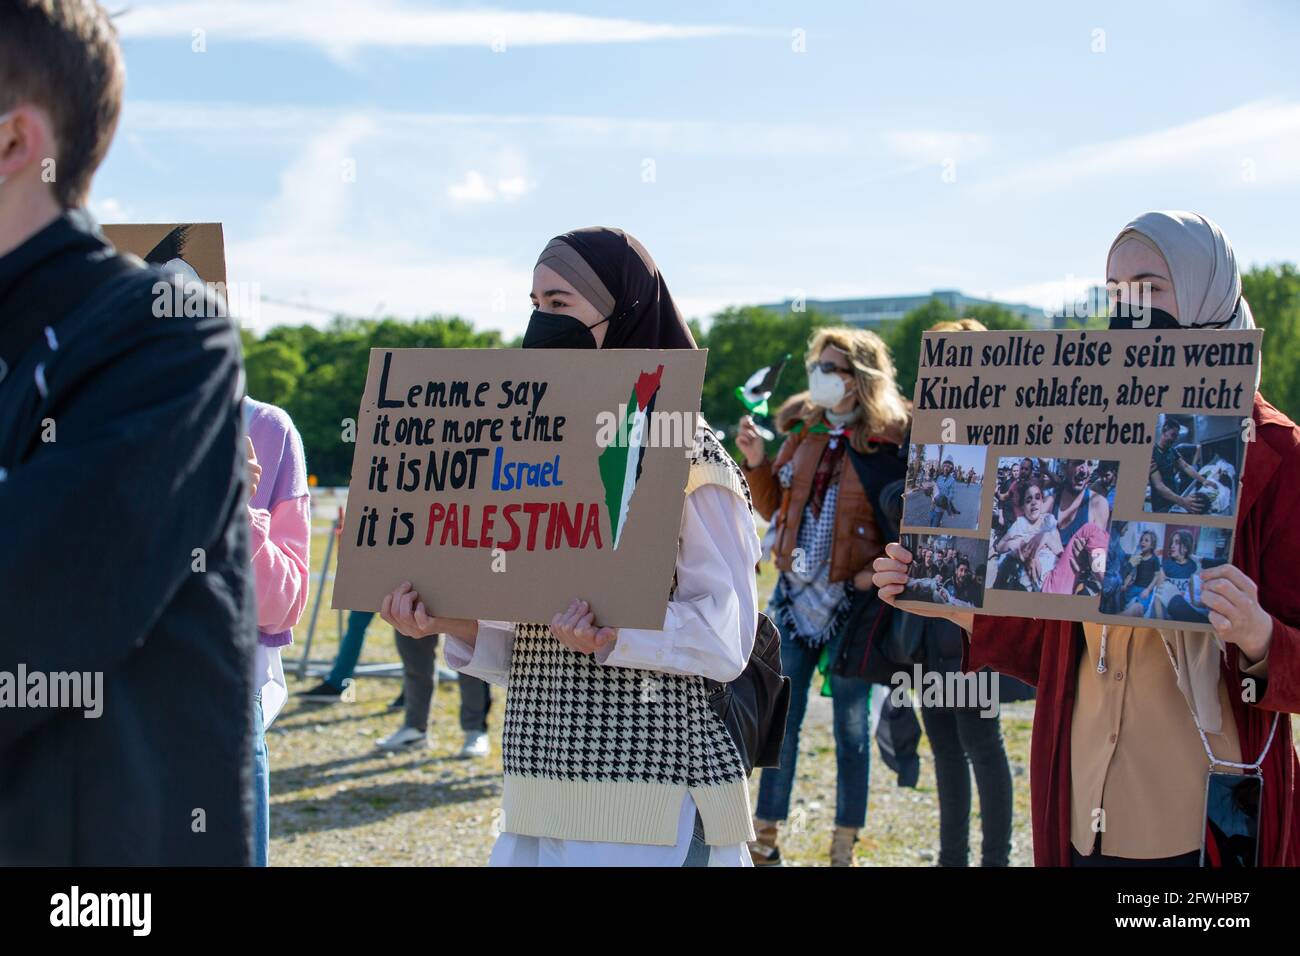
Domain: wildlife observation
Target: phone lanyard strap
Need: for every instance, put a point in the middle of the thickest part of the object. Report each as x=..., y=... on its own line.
x=1257, y=766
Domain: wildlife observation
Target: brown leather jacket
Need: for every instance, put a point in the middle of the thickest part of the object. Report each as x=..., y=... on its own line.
x=857, y=539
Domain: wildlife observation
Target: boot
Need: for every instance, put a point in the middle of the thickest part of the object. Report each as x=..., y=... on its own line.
x=763, y=850
x=842, y=840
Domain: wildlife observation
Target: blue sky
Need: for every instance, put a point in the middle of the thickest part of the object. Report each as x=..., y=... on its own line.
x=408, y=157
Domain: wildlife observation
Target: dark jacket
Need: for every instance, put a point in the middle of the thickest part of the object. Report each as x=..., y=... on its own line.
x=1046, y=654
x=123, y=551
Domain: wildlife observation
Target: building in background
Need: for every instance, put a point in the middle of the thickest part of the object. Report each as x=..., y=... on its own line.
x=1092, y=304
x=878, y=311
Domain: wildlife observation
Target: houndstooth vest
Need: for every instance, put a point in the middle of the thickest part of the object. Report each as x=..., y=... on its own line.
x=607, y=753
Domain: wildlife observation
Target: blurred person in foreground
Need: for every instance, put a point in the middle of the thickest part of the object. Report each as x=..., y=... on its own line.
x=124, y=555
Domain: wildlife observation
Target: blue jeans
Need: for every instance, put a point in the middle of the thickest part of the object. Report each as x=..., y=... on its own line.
x=697, y=854
x=936, y=517
x=345, y=661
x=261, y=787
x=851, y=707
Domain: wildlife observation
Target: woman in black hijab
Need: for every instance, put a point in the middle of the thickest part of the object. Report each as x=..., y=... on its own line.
x=605, y=280
x=612, y=754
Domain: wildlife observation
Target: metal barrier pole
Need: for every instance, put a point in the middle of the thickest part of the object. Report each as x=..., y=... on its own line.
x=320, y=593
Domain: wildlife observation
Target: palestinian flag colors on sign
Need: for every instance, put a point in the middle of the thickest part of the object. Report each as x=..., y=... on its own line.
x=620, y=463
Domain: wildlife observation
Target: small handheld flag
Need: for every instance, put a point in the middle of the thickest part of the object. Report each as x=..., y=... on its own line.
x=758, y=389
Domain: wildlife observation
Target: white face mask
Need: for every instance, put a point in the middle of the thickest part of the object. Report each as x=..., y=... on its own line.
x=826, y=389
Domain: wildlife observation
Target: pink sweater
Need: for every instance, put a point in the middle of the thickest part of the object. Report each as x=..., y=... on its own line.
x=279, y=519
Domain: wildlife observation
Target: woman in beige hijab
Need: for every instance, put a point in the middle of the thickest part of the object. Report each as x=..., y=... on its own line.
x=1130, y=720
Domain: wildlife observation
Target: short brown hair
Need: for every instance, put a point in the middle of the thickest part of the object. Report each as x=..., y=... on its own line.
x=62, y=55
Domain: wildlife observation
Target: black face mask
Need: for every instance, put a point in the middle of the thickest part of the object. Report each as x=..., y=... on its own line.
x=1151, y=318
x=546, y=330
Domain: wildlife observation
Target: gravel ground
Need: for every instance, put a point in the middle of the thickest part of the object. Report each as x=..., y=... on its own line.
x=335, y=801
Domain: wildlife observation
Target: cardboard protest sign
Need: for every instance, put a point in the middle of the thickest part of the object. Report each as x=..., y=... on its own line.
x=196, y=250
x=504, y=483
x=1077, y=475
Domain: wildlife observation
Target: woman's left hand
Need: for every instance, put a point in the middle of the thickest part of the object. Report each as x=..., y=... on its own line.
x=862, y=580
x=1233, y=600
x=576, y=629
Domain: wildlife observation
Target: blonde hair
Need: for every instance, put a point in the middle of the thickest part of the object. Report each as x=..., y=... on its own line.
x=885, y=413
x=961, y=325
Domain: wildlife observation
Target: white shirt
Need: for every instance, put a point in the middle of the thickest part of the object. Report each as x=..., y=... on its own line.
x=709, y=630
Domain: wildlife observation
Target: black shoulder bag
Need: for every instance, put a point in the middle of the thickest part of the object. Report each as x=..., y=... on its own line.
x=755, y=704
x=880, y=640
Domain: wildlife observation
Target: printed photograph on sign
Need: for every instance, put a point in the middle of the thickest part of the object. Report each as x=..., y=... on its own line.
x=1156, y=569
x=1051, y=537
x=945, y=570
x=945, y=484
x=1133, y=559
x=1195, y=464
x=1070, y=418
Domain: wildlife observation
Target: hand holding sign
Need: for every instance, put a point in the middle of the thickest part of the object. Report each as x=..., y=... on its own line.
x=576, y=628
x=891, y=577
x=404, y=610
x=1235, y=612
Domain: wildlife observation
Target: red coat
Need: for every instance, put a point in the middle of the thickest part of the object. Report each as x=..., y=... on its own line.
x=1046, y=654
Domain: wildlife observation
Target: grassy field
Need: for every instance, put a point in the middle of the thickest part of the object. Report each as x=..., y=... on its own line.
x=336, y=801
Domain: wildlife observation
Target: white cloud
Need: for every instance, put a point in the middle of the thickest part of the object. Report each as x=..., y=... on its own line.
x=933, y=146
x=1255, y=142
x=233, y=123
x=316, y=188
x=315, y=245
x=513, y=186
x=473, y=188
x=362, y=275
x=340, y=27
x=110, y=210
x=384, y=241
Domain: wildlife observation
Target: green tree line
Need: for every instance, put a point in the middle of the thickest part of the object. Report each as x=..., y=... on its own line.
x=318, y=374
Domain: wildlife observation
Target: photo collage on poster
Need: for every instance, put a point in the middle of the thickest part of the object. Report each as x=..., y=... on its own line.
x=943, y=493
x=1154, y=563
x=979, y=519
